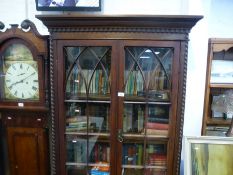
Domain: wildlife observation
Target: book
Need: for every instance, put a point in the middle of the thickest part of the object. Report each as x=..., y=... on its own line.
x=154, y=125
x=140, y=119
x=132, y=154
x=158, y=119
x=97, y=172
x=157, y=132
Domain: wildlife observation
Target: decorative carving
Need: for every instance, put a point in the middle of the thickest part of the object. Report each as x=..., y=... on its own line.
x=52, y=111
x=121, y=29
x=29, y=25
x=180, y=136
x=2, y=26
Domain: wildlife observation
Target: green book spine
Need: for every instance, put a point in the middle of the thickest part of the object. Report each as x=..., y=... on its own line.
x=140, y=153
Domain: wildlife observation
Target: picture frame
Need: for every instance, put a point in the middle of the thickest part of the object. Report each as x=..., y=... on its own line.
x=68, y=5
x=221, y=71
x=208, y=155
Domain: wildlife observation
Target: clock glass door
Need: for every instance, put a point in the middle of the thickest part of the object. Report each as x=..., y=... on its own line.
x=19, y=72
x=88, y=105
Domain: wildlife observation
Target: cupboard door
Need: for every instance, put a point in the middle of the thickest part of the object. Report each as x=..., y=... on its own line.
x=87, y=109
x=146, y=108
x=27, y=151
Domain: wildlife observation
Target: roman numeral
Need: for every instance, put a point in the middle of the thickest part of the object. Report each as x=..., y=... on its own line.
x=22, y=95
x=14, y=67
x=8, y=81
x=34, y=88
x=21, y=66
x=15, y=93
x=36, y=81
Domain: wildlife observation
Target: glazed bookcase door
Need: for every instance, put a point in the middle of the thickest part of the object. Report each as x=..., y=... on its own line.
x=87, y=109
x=144, y=127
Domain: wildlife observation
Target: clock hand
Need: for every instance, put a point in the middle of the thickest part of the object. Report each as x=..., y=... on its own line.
x=21, y=74
x=21, y=81
x=17, y=82
x=28, y=76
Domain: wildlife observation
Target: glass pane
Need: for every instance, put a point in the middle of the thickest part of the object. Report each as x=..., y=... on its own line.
x=156, y=154
x=222, y=66
x=79, y=114
x=76, y=119
x=132, y=154
x=20, y=74
x=99, y=152
x=133, y=118
x=75, y=84
x=88, y=71
x=74, y=170
x=99, y=155
x=76, y=149
x=158, y=120
x=98, y=117
x=148, y=72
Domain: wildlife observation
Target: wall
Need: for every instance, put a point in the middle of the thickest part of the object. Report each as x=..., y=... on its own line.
x=217, y=22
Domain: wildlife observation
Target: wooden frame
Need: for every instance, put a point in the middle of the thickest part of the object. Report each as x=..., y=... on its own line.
x=73, y=5
x=219, y=49
x=208, y=155
x=37, y=45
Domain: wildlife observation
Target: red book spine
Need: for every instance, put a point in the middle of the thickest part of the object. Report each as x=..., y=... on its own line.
x=153, y=125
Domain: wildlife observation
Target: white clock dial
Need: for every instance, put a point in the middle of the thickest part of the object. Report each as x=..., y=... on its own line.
x=21, y=80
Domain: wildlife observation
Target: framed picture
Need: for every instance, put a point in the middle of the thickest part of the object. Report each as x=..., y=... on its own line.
x=221, y=71
x=208, y=155
x=68, y=5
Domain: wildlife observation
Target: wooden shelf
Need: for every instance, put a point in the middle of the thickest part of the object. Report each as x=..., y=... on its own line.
x=213, y=121
x=138, y=99
x=90, y=97
x=140, y=137
x=224, y=86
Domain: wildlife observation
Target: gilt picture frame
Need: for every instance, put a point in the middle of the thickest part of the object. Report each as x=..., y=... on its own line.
x=208, y=155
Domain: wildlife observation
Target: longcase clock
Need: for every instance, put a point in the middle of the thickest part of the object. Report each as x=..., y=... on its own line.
x=24, y=104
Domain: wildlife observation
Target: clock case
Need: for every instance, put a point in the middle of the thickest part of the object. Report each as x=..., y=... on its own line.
x=27, y=35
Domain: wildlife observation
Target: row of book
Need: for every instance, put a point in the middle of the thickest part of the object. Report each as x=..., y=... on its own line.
x=153, y=80
x=132, y=171
x=155, y=128
x=76, y=120
x=97, y=81
x=133, y=119
x=132, y=154
x=100, y=153
x=97, y=152
x=155, y=159
x=79, y=124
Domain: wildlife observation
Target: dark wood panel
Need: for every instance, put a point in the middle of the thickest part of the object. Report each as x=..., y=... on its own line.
x=22, y=119
x=27, y=151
